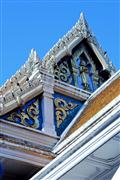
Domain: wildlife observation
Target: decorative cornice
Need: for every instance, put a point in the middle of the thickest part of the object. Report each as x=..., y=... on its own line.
x=25, y=151
x=70, y=90
x=33, y=136
x=26, y=145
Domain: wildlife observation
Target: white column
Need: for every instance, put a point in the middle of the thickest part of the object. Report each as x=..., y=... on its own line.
x=48, y=106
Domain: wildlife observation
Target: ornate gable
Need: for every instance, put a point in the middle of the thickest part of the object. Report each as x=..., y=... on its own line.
x=30, y=114
x=74, y=68
x=78, y=59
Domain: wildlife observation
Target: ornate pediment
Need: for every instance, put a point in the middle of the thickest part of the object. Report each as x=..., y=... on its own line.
x=78, y=59
x=80, y=69
x=68, y=42
x=30, y=114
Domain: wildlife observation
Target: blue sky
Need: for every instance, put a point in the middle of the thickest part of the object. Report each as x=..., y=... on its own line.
x=38, y=24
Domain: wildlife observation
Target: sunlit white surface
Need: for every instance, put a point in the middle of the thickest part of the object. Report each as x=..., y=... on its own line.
x=116, y=175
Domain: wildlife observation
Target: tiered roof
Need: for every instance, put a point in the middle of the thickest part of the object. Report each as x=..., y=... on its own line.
x=28, y=77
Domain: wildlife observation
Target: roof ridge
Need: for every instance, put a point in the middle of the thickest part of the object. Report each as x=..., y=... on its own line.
x=21, y=78
x=32, y=60
x=80, y=29
x=77, y=33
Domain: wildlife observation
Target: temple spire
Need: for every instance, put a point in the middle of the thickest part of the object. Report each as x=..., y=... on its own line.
x=83, y=20
x=82, y=17
x=84, y=24
x=33, y=55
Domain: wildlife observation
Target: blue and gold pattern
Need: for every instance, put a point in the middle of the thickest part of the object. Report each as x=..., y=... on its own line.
x=63, y=73
x=79, y=71
x=29, y=115
x=65, y=110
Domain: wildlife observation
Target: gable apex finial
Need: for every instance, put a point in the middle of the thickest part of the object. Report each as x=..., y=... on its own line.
x=82, y=16
x=33, y=56
x=84, y=25
x=83, y=21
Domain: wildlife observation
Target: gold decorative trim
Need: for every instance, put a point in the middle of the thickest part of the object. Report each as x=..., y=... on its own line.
x=62, y=109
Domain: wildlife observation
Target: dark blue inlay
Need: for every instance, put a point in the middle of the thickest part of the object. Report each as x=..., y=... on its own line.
x=65, y=110
x=29, y=114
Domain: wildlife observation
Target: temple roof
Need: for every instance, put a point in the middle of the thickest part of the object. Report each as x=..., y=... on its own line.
x=28, y=77
x=37, y=110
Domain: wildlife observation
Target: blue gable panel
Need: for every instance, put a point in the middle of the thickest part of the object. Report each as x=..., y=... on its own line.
x=65, y=109
x=29, y=115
